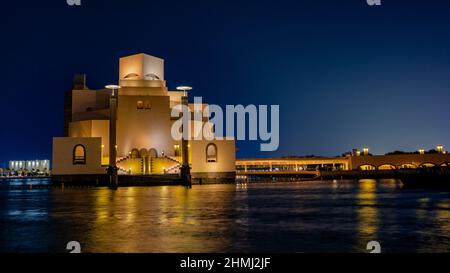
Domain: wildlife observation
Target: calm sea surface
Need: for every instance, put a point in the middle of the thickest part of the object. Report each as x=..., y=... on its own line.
x=284, y=217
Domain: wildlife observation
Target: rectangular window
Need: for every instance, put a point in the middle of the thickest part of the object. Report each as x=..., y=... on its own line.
x=140, y=104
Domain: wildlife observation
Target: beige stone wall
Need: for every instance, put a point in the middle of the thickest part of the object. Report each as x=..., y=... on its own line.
x=136, y=88
x=141, y=65
x=144, y=128
x=80, y=128
x=175, y=98
x=63, y=156
x=148, y=128
x=100, y=128
x=92, y=128
x=93, y=99
x=226, y=156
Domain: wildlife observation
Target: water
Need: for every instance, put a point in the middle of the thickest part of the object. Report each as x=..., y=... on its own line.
x=286, y=217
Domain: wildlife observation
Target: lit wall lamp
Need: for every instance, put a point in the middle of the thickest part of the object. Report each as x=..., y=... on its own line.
x=366, y=151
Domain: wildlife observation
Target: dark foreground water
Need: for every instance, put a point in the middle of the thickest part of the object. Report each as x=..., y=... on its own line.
x=285, y=217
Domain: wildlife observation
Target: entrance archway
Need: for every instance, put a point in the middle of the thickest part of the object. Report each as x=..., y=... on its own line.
x=152, y=152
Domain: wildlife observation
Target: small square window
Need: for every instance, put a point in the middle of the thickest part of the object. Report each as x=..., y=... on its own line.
x=140, y=104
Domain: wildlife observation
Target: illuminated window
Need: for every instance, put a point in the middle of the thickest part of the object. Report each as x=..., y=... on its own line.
x=211, y=153
x=367, y=168
x=79, y=155
x=407, y=166
x=387, y=167
x=140, y=104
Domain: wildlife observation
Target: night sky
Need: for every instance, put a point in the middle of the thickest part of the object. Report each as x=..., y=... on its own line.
x=346, y=75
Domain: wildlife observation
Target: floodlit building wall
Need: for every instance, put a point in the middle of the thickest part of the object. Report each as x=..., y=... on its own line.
x=144, y=124
x=63, y=150
x=144, y=128
x=225, y=166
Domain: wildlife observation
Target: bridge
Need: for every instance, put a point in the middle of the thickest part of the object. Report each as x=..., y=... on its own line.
x=399, y=161
x=310, y=166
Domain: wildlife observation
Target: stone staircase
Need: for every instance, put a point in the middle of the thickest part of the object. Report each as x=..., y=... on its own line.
x=164, y=165
x=176, y=168
x=126, y=164
x=122, y=159
x=157, y=165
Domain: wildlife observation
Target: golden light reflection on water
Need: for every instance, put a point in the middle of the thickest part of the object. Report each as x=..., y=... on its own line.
x=443, y=215
x=102, y=202
x=367, y=211
x=160, y=219
x=259, y=217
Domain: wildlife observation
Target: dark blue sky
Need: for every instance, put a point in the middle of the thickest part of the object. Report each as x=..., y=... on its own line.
x=345, y=74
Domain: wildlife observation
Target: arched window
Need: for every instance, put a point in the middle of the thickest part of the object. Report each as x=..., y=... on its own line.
x=385, y=167
x=211, y=153
x=134, y=153
x=131, y=75
x=152, y=152
x=367, y=167
x=407, y=166
x=151, y=77
x=143, y=153
x=79, y=155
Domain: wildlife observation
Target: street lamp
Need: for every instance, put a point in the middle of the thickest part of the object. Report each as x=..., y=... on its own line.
x=185, y=171
x=185, y=89
x=112, y=169
x=113, y=87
